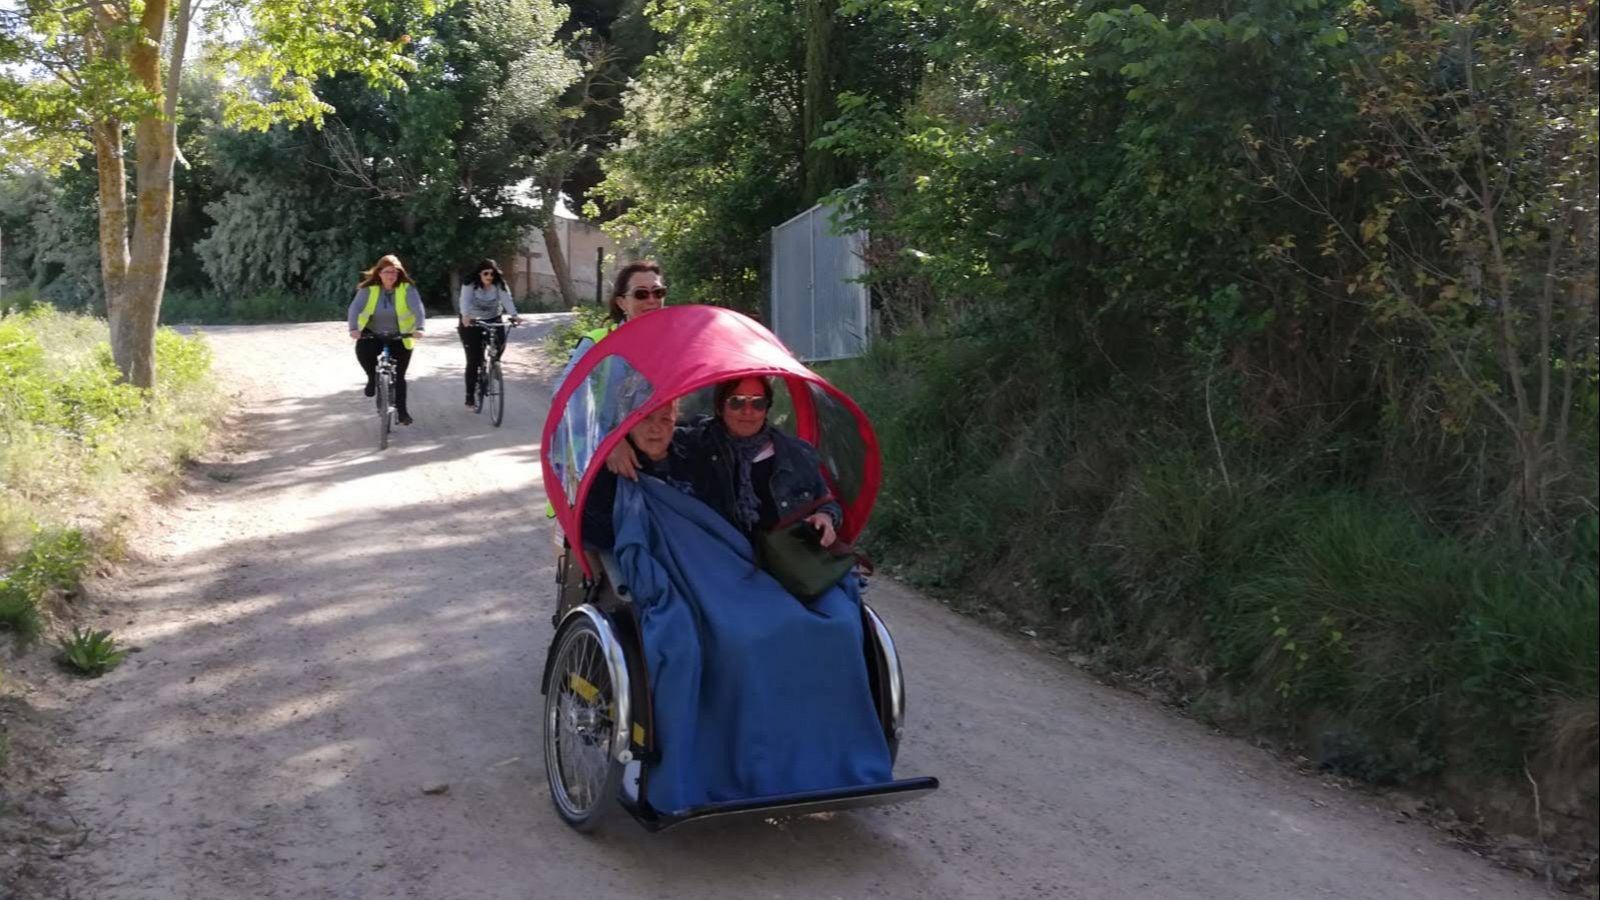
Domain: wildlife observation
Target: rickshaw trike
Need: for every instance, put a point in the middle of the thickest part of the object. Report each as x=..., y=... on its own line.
x=601, y=740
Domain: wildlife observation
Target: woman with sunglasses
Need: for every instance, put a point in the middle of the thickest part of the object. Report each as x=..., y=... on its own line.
x=485, y=298
x=637, y=290
x=753, y=474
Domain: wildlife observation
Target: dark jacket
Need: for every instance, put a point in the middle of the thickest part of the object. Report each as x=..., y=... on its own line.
x=786, y=483
x=599, y=531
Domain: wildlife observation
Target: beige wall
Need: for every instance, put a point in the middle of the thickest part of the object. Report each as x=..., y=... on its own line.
x=530, y=273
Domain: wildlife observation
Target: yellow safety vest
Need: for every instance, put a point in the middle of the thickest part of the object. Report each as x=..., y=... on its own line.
x=408, y=322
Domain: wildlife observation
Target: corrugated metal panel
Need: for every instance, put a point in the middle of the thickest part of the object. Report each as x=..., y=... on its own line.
x=818, y=310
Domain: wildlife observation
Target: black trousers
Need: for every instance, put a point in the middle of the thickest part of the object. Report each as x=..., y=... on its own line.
x=367, y=350
x=472, y=340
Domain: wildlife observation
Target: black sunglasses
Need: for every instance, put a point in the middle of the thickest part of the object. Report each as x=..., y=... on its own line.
x=485, y=272
x=738, y=402
x=659, y=293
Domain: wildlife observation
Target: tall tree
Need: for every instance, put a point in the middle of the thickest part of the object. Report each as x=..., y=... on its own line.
x=89, y=73
x=449, y=159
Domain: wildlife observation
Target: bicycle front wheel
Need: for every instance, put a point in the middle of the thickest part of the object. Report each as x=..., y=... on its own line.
x=497, y=394
x=385, y=419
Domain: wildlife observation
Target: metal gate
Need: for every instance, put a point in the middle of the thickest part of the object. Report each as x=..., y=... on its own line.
x=819, y=304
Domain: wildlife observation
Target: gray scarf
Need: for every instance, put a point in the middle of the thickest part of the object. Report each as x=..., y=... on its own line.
x=747, y=505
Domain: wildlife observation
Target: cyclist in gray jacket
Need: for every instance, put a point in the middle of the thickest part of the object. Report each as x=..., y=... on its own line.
x=484, y=298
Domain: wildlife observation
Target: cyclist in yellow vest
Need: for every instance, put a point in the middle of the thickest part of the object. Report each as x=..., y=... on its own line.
x=387, y=303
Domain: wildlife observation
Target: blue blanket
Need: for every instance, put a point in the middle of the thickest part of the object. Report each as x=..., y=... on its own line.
x=756, y=694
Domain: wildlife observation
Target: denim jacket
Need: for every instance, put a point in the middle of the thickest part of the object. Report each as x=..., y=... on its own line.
x=795, y=482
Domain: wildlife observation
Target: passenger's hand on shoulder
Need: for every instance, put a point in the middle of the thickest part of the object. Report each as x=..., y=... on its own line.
x=823, y=523
x=622, y=461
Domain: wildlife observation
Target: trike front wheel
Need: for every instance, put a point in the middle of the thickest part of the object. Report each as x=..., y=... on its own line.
x=580, y=723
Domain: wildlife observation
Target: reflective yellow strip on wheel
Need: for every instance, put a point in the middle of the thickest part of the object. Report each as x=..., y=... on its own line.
x=638, y=734
x=583, y=688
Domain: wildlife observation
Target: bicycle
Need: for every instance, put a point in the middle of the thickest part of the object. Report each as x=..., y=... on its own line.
x=491, y=387
x=384, y=395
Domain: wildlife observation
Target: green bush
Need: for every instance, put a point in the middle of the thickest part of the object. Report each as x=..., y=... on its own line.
x=558, y=346
x=199, y=308
x=1298, y=603
x=77, y=445
x=19, y=613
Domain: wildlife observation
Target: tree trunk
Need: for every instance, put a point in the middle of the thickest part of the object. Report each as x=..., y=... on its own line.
x=135, y=274
x=110, y=167
x=133, y=344
x=558, y=259
x=822, y=172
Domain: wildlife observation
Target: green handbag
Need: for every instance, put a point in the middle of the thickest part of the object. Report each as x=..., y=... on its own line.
x=792, y=553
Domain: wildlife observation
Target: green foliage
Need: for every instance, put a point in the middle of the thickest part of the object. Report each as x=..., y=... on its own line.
x=77, y=444
x=559, y=343
x=19, y=613
x=50, y=249
x=714, y=157
x=204, y=308
x=65, y=71
x=91, y=653
x=1295, y=604
x=53, y=562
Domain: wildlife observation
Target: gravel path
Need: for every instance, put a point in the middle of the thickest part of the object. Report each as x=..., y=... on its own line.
x=327, y=630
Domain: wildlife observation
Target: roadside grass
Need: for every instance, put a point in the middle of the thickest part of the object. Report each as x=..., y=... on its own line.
x=79, y=450
x=195, y=308
x=1272, y=599
x=559, y=342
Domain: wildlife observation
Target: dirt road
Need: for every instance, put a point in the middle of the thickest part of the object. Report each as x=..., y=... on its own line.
x=327, y=630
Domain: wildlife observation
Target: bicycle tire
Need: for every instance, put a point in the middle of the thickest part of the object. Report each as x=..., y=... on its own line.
x=477, y=392
x=497, y=394
x=385, y=419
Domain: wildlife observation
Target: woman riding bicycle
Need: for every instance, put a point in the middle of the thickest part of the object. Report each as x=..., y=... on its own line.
x=386, y=305
x=484, y=299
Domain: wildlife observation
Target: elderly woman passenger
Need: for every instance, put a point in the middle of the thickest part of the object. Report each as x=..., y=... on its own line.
x=652, y=441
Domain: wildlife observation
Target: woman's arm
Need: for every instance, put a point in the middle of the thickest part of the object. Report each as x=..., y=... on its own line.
x=811, y=464
x=507, y=303
x=356, y=305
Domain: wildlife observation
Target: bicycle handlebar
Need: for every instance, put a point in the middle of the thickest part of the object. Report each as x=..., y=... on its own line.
x=373, y=335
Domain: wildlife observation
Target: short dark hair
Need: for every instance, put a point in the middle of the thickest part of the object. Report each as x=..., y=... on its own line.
x=725, y=390
x=619, y=287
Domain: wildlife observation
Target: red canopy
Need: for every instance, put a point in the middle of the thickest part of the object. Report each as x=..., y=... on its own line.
x=673, y=352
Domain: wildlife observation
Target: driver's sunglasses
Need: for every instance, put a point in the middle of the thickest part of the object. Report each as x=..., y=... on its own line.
x=738, y=402
x=660, y=293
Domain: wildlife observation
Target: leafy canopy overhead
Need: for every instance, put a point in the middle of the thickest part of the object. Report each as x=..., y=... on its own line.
x=66, y=66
